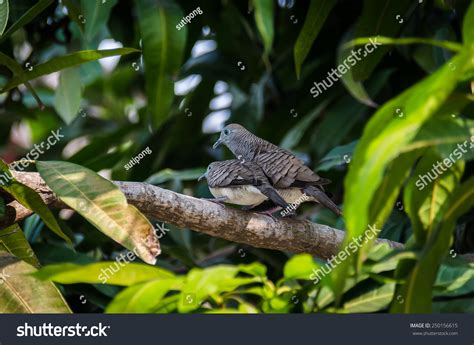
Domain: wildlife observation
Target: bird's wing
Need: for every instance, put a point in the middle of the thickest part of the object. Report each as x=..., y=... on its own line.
x=232, y=175
x=285, y=170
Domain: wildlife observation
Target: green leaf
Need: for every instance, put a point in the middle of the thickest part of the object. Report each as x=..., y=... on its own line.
x=454, y=280
x=142, y=298
x=103, y=205
x=163, y=49
x=423, y=274
x=68, y=94
x=378, y=18
x=371, y=301
x=21, y=293
x=13, y=240
x=300, y=266
x=463, y=305
x=384, y=137
x=317, y=14
x=355, y=88
x=3, y=16
x=166, y=175
x=296, y=133
x=424, y=200
x=468, y=25
x=200, y=284
x=32, y=201
x=62, y=62
x=119, y=272
x=448, y=45
x=337, y=156
x=29, y=15
x=96, y=15
x=264, y=20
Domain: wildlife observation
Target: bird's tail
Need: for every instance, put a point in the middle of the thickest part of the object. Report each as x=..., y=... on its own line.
x=322, y=198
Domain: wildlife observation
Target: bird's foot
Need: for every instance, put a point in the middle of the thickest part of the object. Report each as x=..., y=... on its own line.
x=267, y=213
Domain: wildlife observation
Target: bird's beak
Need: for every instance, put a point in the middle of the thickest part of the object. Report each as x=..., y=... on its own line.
x=201, y=177
x=217, y=143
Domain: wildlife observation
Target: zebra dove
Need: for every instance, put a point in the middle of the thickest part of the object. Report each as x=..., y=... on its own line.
x=283, y=168
x=240, y=183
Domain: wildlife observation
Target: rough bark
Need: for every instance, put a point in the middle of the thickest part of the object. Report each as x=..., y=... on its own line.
x=257, y=230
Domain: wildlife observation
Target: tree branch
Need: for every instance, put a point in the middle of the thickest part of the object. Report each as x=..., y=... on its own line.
x=257, y=230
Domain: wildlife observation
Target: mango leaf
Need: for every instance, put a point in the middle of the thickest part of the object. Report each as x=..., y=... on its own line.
x=300, y=266
x=74, y=12
x=371, y=301
x=13, y=241
x=355, y=88
x=384, y=137
x=22, y=293
x=448, y=45
x=423, y=274
x=378, y=18
x=3, y=16
x=296, y=133
x=454, y=280
x=428, y=190
x=337, y=156
x=32, y=201
x=317, y=14
x=62, y=62
x=68, y=94
x=200, y=284
x=29, y=15
x=142, y=298
x=467, y=25
x=117, y=272
x=264, y=20
x=96, y=15
x=103, y=205
x=462, y=305
x=163, y=49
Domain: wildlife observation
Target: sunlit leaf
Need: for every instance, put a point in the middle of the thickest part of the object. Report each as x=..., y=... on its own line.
x=103, y=205
x=119, y=272
x=68, y=94
x=22, y=293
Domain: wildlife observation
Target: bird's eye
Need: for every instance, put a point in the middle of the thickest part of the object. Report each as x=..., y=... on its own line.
x=226, y=132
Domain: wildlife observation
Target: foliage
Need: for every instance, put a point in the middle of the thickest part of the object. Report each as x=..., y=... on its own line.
x=118, y=90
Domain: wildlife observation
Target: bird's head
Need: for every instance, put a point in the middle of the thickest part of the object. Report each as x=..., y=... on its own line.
x=230, y=135
x=209, y=170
